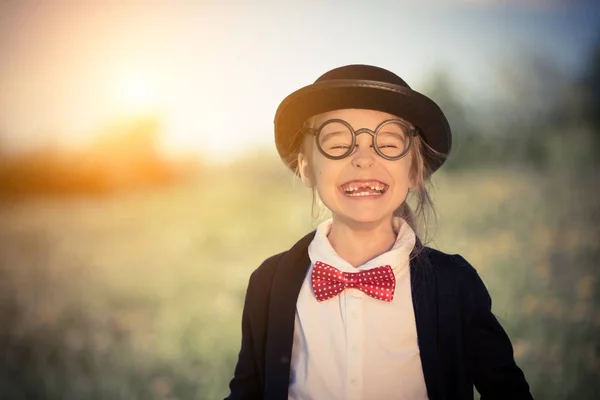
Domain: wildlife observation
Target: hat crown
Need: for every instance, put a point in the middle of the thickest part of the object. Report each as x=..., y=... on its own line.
x=362, y=72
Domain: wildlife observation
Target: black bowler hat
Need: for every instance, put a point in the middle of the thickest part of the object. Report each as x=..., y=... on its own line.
x=364, y=87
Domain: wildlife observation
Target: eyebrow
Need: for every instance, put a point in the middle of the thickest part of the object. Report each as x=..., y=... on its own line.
x=330, y=134
x=400, y=135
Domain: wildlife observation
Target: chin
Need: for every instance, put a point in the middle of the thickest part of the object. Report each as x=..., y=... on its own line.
x=364, y=217
x=359, y=211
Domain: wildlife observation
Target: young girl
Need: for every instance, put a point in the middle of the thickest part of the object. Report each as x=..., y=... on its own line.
x=360, y=308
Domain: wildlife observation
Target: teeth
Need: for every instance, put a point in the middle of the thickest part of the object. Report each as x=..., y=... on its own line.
x=364, y=194
x=350, y=189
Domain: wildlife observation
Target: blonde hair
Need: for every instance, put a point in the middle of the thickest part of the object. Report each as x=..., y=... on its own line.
x=424, y=157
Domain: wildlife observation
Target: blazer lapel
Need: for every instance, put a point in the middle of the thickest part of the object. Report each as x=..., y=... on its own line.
x=286, y=285
x=424, y=296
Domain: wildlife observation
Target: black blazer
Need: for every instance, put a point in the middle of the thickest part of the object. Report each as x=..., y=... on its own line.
x=460, y=341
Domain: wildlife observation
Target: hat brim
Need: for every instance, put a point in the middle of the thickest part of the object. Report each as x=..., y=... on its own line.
x=400, y=101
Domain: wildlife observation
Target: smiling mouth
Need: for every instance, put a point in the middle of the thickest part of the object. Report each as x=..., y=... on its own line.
x=364, y=188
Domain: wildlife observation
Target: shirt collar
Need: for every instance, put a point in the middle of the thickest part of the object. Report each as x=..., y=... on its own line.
x=397, y=257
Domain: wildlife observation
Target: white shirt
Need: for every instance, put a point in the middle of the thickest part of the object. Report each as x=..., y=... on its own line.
x=353, y=346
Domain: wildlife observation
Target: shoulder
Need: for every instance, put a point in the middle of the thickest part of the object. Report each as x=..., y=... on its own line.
x=267, y=269
x=445, y=263
x=454, y=272
x=450, y=267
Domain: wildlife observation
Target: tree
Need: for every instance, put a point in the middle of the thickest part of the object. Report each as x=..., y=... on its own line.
x=590, y=85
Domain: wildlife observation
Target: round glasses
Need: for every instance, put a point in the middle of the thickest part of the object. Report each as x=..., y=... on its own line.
x=336, y=139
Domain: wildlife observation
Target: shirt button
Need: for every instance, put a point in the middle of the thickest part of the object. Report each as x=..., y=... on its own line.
x=354, y=381
x=354, y=314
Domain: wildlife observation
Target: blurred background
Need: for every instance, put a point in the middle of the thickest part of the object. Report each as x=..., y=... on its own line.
x=140, y=186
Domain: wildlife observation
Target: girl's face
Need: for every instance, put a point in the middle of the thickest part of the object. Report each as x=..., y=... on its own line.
x=363, y=187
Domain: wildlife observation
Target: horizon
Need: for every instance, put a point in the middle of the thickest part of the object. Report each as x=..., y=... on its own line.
x=71, y=70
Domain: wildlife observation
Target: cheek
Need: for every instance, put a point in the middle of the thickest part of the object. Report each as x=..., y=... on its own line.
x=401, y=174
x=323, y=177
x=320, y=165
x=400, y=168
x=326, y=175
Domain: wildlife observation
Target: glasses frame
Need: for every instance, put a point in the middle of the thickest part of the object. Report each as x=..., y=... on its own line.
x=412, y=132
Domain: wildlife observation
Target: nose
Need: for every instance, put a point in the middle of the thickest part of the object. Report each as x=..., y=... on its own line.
x=364, y=155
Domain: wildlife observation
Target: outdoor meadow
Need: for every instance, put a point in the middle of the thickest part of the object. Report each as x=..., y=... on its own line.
x=123, y=273
x=139, y=296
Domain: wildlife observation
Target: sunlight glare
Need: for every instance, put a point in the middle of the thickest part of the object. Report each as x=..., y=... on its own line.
x=137, y=92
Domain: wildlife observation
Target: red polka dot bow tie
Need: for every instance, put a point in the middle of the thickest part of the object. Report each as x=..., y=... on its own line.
x=328, y=281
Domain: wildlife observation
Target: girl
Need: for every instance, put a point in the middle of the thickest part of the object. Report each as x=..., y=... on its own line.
x=360, y=308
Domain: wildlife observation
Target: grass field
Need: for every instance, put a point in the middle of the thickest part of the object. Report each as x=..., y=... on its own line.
x=139, y=296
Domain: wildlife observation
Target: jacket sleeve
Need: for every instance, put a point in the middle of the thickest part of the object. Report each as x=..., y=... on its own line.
x=246, y=381
x=495, y=373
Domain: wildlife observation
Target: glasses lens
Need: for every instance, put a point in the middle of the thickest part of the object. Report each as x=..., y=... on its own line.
x=393, y=139
x=335, y=139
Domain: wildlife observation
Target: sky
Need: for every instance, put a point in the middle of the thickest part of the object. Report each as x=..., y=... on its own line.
x=214, y=73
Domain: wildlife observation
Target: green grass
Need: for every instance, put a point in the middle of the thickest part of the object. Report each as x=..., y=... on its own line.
x=139, y=296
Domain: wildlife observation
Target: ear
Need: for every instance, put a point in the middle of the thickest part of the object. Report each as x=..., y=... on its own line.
x=305, y=171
